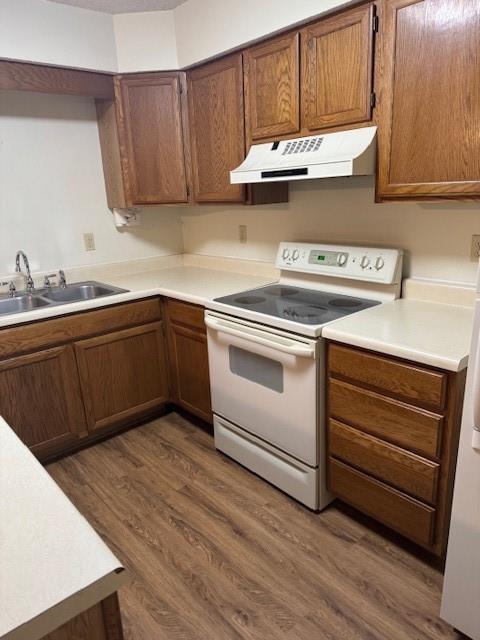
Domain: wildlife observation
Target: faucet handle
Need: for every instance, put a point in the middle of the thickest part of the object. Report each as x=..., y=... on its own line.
x=46, y=280
x=62, y=281
x=12, y=290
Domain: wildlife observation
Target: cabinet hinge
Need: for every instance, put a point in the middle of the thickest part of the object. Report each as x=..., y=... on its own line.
x=375, y=24
x=373, y=99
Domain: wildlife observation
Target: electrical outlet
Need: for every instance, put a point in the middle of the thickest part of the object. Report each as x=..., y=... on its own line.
x=475, y=249
x=89, y=241
x=242, y=233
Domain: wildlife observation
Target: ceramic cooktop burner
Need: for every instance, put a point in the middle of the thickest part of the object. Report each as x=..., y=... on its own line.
x=248, y=300
x=345, y=302
x=310, y=314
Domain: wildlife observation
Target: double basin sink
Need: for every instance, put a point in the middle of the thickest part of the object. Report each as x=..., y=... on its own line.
x=55, y=296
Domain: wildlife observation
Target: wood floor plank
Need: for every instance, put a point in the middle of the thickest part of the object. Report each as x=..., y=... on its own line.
x=216, y=553
x=188, y=573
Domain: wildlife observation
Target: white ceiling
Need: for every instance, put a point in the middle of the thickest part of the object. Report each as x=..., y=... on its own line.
x=123, y=6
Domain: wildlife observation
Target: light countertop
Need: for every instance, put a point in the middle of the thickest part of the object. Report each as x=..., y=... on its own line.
x=53, y=565
x=426, y=332
x=429, y=333
x=191, y=284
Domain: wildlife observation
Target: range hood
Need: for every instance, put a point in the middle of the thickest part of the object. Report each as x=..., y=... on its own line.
x=343, y=153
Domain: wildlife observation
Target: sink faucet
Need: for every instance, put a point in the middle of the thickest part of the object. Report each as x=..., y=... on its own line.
x=29, y=284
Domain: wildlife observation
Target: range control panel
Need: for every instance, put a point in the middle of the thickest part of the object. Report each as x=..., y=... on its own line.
x=356, y=263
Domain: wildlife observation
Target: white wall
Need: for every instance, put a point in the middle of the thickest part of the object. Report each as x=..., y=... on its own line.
x=205, y=28
x=52, y=190
x=436, y=237
x=51, y=33
x=145, y=41
x=201, y=29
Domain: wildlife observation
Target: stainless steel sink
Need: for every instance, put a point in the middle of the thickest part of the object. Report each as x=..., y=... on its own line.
x=22, y=303
x=80, y=291
x=56, y=296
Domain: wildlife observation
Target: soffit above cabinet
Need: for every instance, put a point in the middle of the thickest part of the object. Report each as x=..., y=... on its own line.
x=122, y=6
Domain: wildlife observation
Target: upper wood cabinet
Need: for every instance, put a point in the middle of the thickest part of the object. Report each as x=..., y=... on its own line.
x=215, y=99
x=217, y=135
x=337, y=70
x=142, y=141
x=429, y=102
x=272, y=91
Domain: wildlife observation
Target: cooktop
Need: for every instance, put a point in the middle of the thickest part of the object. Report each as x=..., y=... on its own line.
x=305, y=306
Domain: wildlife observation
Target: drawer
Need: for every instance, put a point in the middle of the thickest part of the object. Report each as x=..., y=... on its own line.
x=46, y=333
x=414, y=384
x=397, y=467
x=395, y=509
x=185, y=313
x=414, y=429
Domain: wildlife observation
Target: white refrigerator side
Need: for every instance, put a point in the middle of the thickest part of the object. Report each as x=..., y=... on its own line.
x=461, y=591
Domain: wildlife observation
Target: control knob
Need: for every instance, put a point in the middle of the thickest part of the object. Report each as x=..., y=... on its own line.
x=364, y=262
x=295, y=254
x=342, y=259
x=286, y=253
x=379, y=263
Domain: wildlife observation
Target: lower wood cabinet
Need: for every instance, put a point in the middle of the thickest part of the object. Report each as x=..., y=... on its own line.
x=63, y=379
x=187, y=345
x=40, y=399
x=68, y=380
x=123, y=374
x=101, y=622
x=392, y=434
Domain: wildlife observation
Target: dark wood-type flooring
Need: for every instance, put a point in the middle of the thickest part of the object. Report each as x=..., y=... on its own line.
x=216, y=553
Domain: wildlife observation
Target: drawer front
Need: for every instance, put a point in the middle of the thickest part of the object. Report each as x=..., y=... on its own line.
x=187, y=314
x=395, y=509
x=47, y=333
x=414, y=384
x=413, y=429
x=397, y=467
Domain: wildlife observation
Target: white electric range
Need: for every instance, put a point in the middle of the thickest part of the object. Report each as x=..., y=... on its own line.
x=267, y=364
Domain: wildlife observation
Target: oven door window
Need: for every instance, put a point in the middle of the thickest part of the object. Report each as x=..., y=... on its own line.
x=258, y=369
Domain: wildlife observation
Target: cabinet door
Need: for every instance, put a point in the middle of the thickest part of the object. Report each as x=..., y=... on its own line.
x=429, y=112
x=271, y=82
x=40, y=399
x=215, y=99
x=187, y=343
x=337, y=70
x=190, y=375
x=149, y=111
x=123, y=375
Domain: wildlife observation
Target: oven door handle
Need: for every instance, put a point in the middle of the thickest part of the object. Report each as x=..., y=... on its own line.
x=278, y=344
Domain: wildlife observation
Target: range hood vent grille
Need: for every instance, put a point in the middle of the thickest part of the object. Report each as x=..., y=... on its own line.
x=306, y=145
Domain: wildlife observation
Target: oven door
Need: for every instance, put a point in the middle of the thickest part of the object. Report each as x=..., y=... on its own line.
x=265, y=381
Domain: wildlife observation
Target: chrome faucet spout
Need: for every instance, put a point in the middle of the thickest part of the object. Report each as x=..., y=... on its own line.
x=29, y=284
